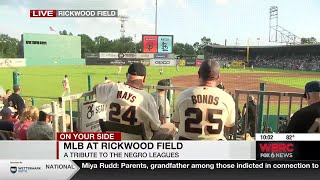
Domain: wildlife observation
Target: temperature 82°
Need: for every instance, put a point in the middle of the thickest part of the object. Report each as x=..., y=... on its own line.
x=289, y=137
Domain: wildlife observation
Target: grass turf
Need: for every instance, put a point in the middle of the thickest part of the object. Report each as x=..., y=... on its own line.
x=45, y=83
x=289, y=81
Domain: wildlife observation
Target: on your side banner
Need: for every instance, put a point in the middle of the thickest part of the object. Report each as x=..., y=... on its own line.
x=108, y=146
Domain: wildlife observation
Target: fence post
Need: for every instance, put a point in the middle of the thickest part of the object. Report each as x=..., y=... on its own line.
x=33, y=101
x=89, y=83
x=89, y=87
x=16, y=78
x=55, y=122
x=260, y=121
x=169, y=94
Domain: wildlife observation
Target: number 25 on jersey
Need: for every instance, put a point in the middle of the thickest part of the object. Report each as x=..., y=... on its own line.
x=210, y=117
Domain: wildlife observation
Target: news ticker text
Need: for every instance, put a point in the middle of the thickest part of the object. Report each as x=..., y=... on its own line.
x=196, y=165
x=67, y=169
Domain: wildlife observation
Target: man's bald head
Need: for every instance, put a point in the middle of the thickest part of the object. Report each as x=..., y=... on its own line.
x=16, y=88
x=209, y=70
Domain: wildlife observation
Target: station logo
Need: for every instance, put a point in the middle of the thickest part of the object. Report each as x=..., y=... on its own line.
x=275, y=150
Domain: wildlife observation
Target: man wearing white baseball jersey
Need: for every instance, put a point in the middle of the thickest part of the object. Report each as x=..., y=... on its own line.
x=161, y=71
x=202, y=112
x=66, y=86
x=127, y=103
x=119, y=69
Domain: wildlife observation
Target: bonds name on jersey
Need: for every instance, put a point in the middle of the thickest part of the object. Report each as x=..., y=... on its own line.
x=130, y=106
x=202, y=112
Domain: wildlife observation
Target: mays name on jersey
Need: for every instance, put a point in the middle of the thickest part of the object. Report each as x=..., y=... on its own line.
x=127, y=96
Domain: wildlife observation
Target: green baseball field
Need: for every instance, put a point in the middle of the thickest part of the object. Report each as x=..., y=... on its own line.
x=45, y=83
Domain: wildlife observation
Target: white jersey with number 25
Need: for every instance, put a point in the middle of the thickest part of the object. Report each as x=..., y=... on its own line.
x=130, y=106
x=203, y=112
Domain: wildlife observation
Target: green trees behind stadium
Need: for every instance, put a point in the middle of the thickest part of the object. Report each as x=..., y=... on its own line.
x=8, y=46
x=12, y=48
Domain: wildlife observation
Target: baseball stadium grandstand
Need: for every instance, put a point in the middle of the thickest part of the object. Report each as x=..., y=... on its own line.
x=292, y=57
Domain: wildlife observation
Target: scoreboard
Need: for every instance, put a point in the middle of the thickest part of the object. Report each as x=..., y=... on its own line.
x=157, y=44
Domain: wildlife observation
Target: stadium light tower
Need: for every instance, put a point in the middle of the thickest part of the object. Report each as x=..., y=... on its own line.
x=278, y=33
x=123, y=19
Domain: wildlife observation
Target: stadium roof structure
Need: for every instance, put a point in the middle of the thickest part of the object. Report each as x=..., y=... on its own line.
x=289, y=49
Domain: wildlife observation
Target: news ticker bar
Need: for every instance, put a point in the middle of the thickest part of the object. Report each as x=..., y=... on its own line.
x=196, y=150
x=67, y=169
x=73, y=13
x=288, y=137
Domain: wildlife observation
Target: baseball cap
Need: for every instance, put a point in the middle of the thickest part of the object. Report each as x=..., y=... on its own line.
x=313, y=86
x=209, y=69
x=164, y=82
x=46, y=108
x=137, y=69
x=6, y=110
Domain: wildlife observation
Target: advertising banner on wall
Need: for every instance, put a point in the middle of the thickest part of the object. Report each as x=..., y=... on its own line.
x=130, y=61
x=92, y=55
x=126, y=55
x=12, y=62
x=150, y=43
x=190, y=57
x=108, y=55
x=163, y=62
x=190, y=62
x=145, y=62
x=199, y=62
x=98, y=61
x=120, y=55
x=159, y=56
x=165, y=44
x=144, y=56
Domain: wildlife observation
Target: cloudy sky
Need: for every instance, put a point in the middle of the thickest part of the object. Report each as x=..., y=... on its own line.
x=187, y=20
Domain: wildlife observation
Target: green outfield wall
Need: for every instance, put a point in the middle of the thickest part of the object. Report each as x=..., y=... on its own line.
x=51, y=49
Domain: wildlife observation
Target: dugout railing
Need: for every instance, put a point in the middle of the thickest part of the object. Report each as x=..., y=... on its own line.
x=264, y=100
x=68, y=102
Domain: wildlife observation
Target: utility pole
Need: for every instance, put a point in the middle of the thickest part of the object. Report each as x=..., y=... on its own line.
x=156, y=18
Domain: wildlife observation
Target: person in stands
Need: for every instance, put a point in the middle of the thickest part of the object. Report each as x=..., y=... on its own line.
x=306, y=120
x=16, y=101
x=42, y=128
x=29, y=116
x=5, y=123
